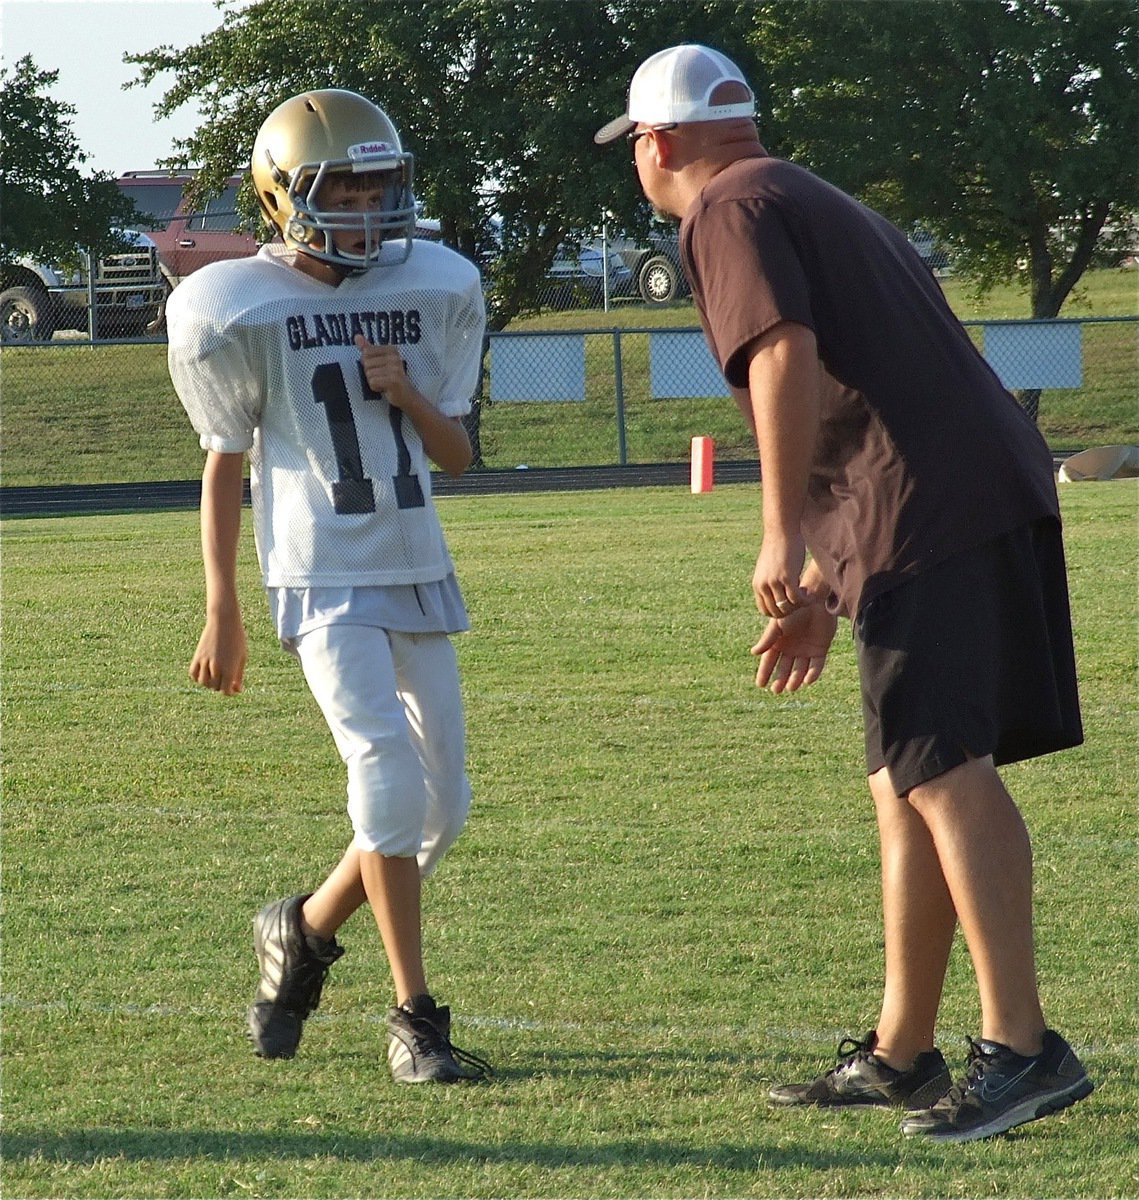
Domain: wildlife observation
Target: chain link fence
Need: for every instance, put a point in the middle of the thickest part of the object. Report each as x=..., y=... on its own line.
x=77, y=411
x=639, y=395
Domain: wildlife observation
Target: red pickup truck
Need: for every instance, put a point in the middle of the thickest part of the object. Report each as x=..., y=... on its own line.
x=186, y=238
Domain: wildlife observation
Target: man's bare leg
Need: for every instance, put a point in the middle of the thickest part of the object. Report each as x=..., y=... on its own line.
x=986, y=859
x=919, y=922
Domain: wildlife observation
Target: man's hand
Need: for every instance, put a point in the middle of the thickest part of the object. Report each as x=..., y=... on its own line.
x=792, y=650
x=776, y=580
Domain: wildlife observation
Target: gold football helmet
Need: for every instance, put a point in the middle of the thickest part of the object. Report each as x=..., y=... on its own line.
x=312, y=135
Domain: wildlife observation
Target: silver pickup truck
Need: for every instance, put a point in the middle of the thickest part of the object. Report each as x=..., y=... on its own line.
x=128, y=288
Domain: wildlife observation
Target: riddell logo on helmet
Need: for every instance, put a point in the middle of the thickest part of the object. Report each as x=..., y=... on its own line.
x=368, y=149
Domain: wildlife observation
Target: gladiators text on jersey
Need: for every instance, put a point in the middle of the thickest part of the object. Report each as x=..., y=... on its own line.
x=395, y=328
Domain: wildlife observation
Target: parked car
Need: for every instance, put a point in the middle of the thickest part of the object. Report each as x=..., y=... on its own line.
x=655, y=266
x=428, y=229
x=187, y=238
x=932, y=254
x=576, y=277
x=37, y=298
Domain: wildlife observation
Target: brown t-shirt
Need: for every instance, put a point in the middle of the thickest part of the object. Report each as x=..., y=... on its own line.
x=921, y=452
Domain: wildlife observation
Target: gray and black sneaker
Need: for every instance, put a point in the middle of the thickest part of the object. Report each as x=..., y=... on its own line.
x=1002, y=1089
x=861, y=1078
x=420, y=1049
x=293, y=970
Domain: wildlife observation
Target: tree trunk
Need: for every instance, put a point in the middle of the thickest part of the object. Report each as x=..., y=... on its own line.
x=1049, y=292
x=472, y=422
x=1029, y=400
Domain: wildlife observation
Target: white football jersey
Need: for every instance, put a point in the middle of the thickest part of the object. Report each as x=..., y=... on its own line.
x=264, y=361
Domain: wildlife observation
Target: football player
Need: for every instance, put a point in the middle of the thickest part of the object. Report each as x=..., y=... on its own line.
x=340, y=360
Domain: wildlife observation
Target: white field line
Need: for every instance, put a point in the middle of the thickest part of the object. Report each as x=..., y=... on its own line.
x=1043, y=840
x=12, y=1003
x=596, y=1031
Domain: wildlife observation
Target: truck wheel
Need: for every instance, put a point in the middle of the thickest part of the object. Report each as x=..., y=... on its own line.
x=659, y=280
x=25, y=315
x=121, y=325
x=156, y=326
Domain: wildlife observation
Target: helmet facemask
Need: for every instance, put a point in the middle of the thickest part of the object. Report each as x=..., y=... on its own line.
x=386, y=232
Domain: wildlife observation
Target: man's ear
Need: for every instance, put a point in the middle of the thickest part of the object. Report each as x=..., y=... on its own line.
x=665, y=150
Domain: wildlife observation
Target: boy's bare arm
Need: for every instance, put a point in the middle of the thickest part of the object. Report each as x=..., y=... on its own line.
x=444, y=439
x=219, y=661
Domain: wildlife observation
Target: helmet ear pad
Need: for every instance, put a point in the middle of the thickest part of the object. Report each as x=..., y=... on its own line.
x=294, y=231
x=312, y=135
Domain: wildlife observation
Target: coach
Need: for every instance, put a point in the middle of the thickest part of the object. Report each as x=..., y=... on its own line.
x=925, y=498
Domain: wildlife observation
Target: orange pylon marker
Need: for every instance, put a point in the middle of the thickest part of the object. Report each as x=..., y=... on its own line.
x=703, y=464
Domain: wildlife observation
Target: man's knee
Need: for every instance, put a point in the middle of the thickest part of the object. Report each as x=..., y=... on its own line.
x=973, y=785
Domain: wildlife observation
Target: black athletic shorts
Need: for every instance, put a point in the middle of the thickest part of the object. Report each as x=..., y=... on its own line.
x=970, y=658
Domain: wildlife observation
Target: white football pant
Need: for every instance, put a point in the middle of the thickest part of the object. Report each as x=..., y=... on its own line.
x=393, y=703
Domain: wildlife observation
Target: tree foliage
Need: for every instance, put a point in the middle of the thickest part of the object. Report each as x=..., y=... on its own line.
x=1007, y=127
x=50, y=207
x=497, y=99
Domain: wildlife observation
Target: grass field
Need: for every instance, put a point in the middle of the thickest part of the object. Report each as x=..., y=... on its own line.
x=665, y=900
x=108, y=414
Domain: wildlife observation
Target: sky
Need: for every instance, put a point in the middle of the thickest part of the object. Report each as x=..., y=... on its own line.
x=84, y=40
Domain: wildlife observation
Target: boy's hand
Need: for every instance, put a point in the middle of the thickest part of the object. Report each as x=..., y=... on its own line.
x=444, y=439
x=219, y=661
x=385, y=371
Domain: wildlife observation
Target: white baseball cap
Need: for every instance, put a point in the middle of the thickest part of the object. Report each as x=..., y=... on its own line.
x=675, y=86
